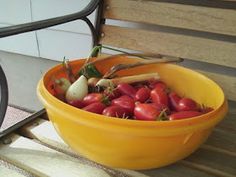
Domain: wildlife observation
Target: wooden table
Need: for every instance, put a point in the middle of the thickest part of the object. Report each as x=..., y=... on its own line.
x=37, y=150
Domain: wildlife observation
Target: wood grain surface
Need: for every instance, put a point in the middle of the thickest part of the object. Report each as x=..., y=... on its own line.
x=178, y=45
x=217, y=20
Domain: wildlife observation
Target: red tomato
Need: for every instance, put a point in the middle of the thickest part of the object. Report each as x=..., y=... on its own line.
x=92, y=98
x=161, y=107
x=126, y=89
x=159, y=96
x=115, y=111
x=174, y=100
x=97, y=107
x=138, y=85
x=125, y=102
x=184, y=115
x=144, y=111
x=187, y=104
x=142, y=95
x=112, y=94
x=161, y=86
x=152, y=83
x=76, y=103
x=158, y=84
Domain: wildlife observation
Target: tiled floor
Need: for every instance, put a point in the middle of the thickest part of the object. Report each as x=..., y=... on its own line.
x=13, y=115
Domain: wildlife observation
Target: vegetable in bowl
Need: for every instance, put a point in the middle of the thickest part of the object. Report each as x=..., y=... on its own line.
x=139, y=97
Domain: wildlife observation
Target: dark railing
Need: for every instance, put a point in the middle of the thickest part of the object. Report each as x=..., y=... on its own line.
x=3, y=95
x=32, y=26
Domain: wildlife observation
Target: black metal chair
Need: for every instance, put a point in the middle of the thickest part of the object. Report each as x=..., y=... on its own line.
x=32, y=26
x=3, y=95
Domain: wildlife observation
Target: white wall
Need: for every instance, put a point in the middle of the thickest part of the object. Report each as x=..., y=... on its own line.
x=72, y=40
x=23, y=74
x=26, y=57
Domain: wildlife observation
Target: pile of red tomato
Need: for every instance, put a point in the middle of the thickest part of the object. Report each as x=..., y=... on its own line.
x=149, y=101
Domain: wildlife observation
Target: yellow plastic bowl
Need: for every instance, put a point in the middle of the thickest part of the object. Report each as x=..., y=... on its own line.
x=134, y=144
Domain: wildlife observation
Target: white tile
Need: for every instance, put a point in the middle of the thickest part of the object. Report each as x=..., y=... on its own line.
x=57, y=44
x=60, y=8
x=15, y=11
x=23, y=74
x=22, y=44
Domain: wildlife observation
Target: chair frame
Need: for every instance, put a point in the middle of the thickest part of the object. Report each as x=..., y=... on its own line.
x=37, y=25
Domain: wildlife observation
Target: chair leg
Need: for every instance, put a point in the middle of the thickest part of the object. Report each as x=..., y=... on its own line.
x=3, y=95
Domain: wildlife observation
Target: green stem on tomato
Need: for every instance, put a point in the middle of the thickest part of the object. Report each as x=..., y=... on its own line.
x=162, y=116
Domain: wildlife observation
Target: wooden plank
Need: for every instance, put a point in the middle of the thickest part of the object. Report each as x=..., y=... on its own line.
x=179, y=45
x=177, y=170
x=53, y=140
x=227, y=83
x=223, y=137
x=223, y=140
x=225, y=164
x=218, y=20
x=43, y=161
x=4, y=171
x=44, y=131
x=216, y=172
x=218, y=143
x=228, y=124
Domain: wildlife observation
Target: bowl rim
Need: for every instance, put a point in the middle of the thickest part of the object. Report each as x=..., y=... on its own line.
x=42, y=91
